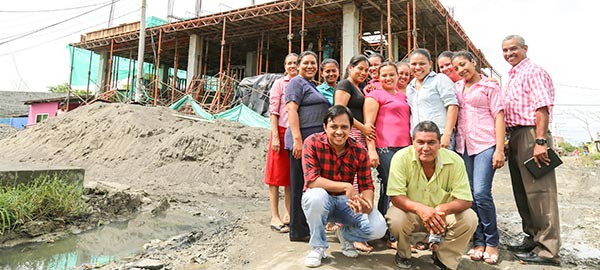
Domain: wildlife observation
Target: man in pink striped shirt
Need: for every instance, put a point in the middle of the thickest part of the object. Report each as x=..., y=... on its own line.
x=528, y=101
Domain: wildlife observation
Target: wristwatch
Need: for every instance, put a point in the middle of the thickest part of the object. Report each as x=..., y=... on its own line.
x=541, y=141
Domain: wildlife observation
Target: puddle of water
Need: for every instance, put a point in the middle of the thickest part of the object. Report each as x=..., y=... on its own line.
x=102, y=245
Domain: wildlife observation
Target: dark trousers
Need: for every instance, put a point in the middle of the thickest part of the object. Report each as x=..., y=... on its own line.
x=536, y=199
x=298, y=226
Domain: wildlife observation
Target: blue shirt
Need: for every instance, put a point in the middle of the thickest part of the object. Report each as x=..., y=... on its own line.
x=327, y=91
x=431, y=102
x=312, y=107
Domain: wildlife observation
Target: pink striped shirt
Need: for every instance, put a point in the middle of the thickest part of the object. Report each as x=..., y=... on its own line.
x=476, y=116
x=529, y=88
x=277, y=100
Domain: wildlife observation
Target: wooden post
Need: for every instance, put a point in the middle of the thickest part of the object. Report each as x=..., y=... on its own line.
x=221, y=64
x=408, y=29
x=175, y=70
x=389, y=28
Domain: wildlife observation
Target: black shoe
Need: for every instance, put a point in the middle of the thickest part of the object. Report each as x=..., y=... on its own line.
x=533, y=258
x=437, y=262
x=522, y=248
x=403, y=263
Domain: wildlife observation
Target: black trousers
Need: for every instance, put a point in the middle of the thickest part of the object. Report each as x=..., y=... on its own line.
x=298, y=227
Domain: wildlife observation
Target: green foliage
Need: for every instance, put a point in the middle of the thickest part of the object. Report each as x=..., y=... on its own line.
x=64, y=88
x=46, y=197
x=567, y=147
x=595, y=156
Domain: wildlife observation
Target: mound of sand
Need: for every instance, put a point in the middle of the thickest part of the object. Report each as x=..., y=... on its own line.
x=7, y=131
x=148, y=148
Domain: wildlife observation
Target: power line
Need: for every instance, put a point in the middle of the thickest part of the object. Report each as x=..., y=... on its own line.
x=54, y=24
x=577, y=86
x=49, y=10
x=72, y=33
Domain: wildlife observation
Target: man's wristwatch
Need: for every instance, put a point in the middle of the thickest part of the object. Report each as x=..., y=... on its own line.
x=541, y=141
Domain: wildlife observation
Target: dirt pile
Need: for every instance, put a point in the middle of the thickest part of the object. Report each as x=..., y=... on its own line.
x=7, y=131
x=148, y=148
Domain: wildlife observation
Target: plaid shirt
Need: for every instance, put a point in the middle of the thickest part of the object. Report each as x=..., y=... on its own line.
x=529, y=88
x=320, y=160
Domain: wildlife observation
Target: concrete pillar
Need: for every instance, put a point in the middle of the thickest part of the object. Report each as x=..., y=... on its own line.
x=395, y=48
x=250, y=64
x=195, y=56
x=102, y=73
x=350, y=31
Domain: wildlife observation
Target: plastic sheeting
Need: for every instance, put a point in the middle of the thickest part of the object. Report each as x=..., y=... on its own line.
x=254, y=92
x=239, y=113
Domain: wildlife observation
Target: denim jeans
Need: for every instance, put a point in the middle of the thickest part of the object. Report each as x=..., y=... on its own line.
x=385, y=158
x=320, y=207
x=481, y=174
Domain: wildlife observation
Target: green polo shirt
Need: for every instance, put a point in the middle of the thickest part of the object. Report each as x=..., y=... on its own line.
x=326, y=91
x=449, y=181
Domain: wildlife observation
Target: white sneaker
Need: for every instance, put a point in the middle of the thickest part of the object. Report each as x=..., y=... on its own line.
x=313, y=259
x=348, y=248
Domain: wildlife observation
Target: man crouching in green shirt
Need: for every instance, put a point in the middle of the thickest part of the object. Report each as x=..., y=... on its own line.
x=429, y=189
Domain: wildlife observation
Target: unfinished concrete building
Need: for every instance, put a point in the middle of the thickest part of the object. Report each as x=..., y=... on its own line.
x=218, y=50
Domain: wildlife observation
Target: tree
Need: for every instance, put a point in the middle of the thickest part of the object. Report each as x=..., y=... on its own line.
x=567, y=147
x=64, y=88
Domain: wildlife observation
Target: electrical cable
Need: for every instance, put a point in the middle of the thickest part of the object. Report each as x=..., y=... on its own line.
x=50, y=10
x=52, y=25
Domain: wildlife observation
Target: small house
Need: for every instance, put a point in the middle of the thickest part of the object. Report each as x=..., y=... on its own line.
x=45, y=108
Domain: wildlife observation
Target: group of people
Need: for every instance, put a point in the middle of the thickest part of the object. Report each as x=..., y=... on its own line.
x=435, y=140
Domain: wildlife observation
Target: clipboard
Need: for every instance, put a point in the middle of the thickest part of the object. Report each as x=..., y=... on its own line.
x=537, y=173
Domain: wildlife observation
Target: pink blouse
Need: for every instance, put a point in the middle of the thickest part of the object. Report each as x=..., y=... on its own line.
x=476, y=116
x=277, y=100
x=393, y=119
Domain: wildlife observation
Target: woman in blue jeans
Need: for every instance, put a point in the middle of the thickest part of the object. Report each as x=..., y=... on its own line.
x=388, y=111
x=480, y=140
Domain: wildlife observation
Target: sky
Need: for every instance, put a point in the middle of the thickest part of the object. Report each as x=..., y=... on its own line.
x=33, y=52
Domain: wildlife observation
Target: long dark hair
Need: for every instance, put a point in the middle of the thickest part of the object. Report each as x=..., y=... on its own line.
x=354, y=61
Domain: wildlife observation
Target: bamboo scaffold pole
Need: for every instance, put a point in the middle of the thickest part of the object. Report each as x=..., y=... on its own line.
x=447, y=34
x=268, y=52
x=257, y=66
x=205, y=59
x=320, y=44
x=87, y=89
x=360, y=29
x=381, y=33
x=157, y=69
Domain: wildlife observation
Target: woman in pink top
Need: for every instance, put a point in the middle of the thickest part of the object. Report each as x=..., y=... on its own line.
x=277, y=172
x=480, y=140
x=389, y=112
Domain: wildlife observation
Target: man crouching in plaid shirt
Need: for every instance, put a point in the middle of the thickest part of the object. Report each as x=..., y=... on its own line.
x=330, y=161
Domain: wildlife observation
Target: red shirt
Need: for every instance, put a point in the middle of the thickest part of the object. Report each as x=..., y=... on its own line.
x=529, y=88
x=320, y=160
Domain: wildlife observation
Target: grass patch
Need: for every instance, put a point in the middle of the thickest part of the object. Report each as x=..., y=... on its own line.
x=44, y=198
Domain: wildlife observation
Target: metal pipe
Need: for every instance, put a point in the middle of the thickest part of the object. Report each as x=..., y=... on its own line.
x=156, y=77
x=302, y=31
x=141, y=47
x=290, y=35
x=408, y=31
x=221, y=62
x=389, y=28
x=110, y=62
x=414, y=17
x=175, y=67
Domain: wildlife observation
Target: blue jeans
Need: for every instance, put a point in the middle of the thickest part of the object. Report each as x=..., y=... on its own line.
x=385, y=158
x=481, y=174
x=320, y=207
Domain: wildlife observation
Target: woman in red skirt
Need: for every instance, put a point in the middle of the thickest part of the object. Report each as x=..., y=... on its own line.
x=277, y=172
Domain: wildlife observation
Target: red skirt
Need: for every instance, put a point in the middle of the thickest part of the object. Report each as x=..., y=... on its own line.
x=277, y=172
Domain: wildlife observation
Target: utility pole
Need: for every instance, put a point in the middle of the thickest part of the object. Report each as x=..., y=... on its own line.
x=198, y=8
x=111, y=14
x=140, y=63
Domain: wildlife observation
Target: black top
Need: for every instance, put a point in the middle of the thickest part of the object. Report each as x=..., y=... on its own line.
x=357, y=99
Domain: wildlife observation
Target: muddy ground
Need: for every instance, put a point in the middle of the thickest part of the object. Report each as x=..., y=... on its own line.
x=198, y=165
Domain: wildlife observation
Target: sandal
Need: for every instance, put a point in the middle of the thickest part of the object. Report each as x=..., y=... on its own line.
x=331, y=227
x=363, y=246
x=475, y=254
x=422, y=245
x=491, y=257
x=281, y=228
x=393, y=244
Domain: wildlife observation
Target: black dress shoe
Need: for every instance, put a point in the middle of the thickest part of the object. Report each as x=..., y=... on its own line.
x=522, y=248
x=300, y=238
x=533, y=258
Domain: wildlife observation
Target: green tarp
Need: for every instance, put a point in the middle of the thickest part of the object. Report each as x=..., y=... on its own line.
x=239, y=113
